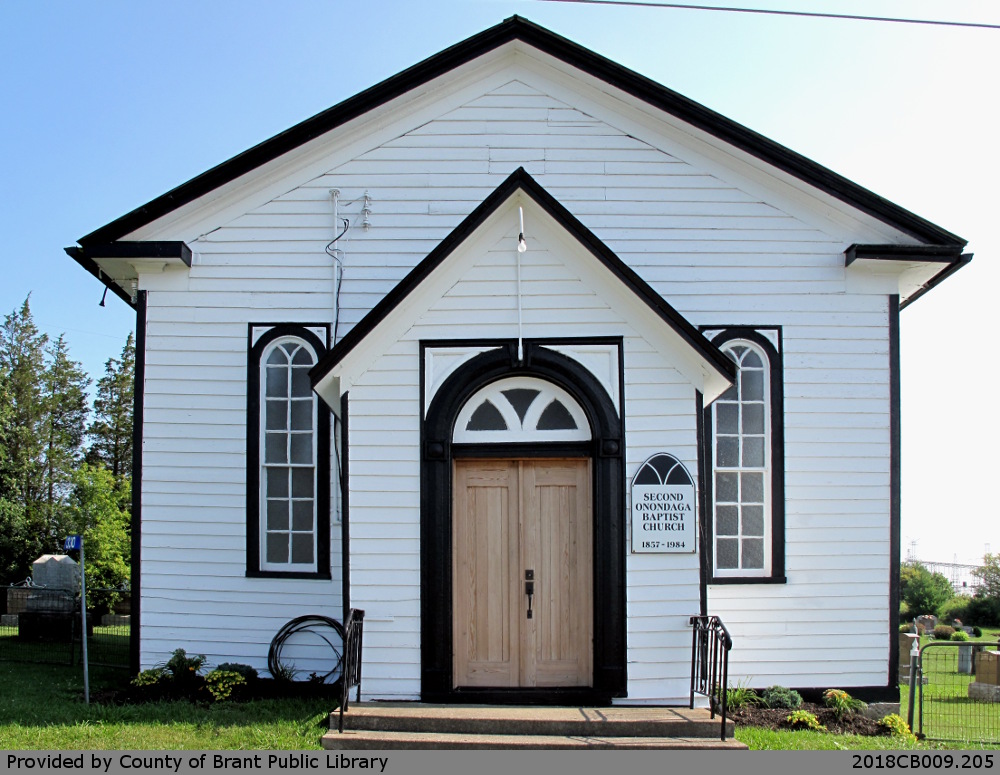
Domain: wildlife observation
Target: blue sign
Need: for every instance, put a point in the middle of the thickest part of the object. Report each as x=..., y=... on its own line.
x=73, y=542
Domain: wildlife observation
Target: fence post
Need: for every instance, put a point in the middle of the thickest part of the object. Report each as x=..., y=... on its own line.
x=914, y=656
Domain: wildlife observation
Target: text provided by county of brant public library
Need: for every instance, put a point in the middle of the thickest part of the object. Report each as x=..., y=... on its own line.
x=94, y=762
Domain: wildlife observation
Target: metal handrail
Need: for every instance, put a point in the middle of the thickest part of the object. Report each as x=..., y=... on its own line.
x=710, y=647
x=350, y=674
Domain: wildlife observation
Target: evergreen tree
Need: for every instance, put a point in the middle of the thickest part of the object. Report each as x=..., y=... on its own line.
x=63, y=424
x=23, y=523
x=111, y=430
x=13, y=528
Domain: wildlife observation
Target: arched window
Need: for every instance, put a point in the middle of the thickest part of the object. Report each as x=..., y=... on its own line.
x=288, y=531
x=288, y=468
x=521, y=409
x=747, y=463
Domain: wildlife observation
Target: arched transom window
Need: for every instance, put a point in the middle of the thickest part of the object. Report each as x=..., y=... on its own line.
x=521, y=409
x=288, y=465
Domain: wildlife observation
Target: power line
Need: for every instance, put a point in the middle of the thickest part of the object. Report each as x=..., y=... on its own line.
x=811, y=14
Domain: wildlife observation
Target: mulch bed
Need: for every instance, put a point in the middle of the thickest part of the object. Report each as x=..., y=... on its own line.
x=767, y=718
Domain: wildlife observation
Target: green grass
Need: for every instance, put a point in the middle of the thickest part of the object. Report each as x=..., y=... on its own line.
x=41, y=707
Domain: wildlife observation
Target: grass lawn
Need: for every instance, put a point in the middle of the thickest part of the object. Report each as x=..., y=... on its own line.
x=41, y=707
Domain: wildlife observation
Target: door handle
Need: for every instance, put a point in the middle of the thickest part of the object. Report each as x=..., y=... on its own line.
x=529, y=588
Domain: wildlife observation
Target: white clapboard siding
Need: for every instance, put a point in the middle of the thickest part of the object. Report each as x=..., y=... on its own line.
x=721, y=255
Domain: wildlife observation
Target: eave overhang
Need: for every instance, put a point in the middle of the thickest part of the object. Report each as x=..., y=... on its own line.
x=718, y=368
x=118, y=264
x=916, y=268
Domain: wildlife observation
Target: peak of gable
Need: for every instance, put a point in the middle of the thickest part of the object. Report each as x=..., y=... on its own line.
x=525, y=33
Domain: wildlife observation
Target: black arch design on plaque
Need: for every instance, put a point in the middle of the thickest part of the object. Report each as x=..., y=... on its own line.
x=663, y=469
x=438, y=452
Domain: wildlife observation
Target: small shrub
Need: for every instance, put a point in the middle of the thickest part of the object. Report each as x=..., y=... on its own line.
x=781, y=697
x=803, y=719
x=148, y=678
x=898, y=727
x=741, y=696
x=222, y=683
x=842, y=703
x=248, y=673
x=976, y=632
x=960, y=635
x=943, y=632
x=183, y=666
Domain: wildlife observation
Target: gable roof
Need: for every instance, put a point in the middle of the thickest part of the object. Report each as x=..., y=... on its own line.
x=520, y=180
x=519, y=29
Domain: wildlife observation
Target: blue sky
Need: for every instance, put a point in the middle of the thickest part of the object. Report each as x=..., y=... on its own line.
x=106, y=105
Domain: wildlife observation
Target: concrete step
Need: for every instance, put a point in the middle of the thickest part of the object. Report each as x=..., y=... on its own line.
x=369, y=740
x=534, y=721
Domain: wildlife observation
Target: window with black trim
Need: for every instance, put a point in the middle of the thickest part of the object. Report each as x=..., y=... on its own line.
x=745, y=447
x=288, y=456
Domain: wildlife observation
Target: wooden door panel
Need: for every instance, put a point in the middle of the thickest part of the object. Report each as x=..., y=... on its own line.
x=485, y=545
x=556, y=543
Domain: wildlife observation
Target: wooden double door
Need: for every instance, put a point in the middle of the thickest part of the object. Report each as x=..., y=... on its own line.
x=523, y=573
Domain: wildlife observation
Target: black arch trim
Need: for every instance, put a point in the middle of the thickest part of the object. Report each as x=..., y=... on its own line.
x=518, y=28
x=606, y=452
x=323, y=516
x=774, y=357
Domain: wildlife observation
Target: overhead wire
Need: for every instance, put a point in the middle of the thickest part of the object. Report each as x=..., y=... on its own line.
x=776, y=12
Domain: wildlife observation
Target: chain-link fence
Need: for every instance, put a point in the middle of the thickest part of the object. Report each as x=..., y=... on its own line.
x=959, y=692
x=44, y=625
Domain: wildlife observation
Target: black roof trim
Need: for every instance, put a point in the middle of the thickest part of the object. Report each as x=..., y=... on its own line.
x=518, y=28
x=521, y=180
x=86, y=257
x=139, y=249
x=929, y=253
x=78, y=255
x=944, y=274
x=950, y=255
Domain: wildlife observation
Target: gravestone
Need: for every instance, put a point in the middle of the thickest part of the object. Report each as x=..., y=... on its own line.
x=50, y=606
x=56, y=571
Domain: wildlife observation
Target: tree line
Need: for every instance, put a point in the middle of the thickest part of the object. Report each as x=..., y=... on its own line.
x=65, y=465
x=923, y=592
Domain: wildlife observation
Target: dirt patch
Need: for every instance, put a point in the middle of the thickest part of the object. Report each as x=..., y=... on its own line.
x=767, y=718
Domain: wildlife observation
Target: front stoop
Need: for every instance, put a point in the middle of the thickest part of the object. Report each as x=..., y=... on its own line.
x=388, y=726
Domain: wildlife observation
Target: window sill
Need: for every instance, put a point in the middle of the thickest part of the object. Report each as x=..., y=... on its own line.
x=279, y=574
x=748, y=580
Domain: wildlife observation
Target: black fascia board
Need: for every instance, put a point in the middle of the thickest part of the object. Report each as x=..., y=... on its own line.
x=86, y=257
x=518, y=28
x=78, y=255
x=928, y=253
x=140, y=249
x=962, y=261
x=521, y=180
x=951, y=256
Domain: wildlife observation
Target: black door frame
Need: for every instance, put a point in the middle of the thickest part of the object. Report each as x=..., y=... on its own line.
x=606, y=451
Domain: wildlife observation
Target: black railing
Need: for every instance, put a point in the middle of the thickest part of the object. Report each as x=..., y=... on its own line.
x=350, y=674
x=710, y=646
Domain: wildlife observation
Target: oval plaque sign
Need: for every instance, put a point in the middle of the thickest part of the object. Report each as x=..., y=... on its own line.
x=663, y=507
